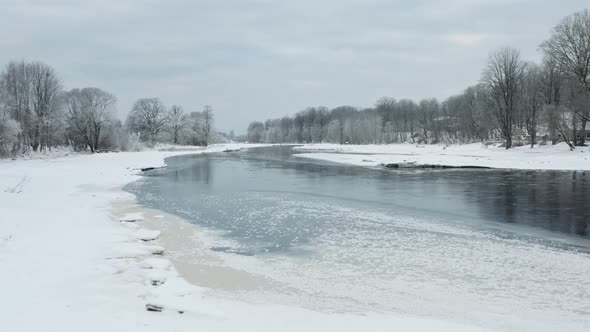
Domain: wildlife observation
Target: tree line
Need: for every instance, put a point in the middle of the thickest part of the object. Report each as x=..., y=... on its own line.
x=515, y=101
x=37, y=114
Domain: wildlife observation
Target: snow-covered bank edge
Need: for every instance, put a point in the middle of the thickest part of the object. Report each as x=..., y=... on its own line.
x=55, y=224
x=69, y=265
x=547, y=157
x=186, y=249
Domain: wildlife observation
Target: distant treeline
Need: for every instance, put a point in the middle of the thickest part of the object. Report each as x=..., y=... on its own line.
x=515, y=101
x=36, y=114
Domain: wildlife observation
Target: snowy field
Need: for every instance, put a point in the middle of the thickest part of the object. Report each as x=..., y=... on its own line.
x=547, y=157
x=68, y=264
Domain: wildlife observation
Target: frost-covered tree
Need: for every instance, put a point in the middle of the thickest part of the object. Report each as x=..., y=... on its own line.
x=207, y=116
x=176, y=123
x=46, y=105
x=90, y=114
x=193, y=133
x=256, y=132
x=32, y=93
x=148, y=116
x=502, y=78
x=9, y=132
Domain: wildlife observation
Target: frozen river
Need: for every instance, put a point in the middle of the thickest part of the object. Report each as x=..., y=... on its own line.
x=501, y=249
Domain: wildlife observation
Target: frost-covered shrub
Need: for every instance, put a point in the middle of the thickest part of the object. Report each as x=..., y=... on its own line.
x=9, y=130
x=130, y=142
x=488, y=143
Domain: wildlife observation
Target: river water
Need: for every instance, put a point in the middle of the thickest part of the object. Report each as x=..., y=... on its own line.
x=497, y=248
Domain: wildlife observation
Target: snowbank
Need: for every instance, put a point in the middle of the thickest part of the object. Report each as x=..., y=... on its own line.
x=68, y=265
x=548, y=157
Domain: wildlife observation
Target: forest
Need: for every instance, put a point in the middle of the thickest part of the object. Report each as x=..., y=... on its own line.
x=516, y=102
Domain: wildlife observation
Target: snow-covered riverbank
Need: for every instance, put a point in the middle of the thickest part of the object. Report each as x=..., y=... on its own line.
x=67, y=264
x=548, y=157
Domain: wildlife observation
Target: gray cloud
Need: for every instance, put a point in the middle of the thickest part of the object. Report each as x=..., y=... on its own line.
x=258, y=59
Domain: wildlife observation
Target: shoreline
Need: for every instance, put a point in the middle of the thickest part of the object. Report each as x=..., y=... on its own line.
x=190, y=256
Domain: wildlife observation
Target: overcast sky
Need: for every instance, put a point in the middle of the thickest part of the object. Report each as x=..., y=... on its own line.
x=268, y=58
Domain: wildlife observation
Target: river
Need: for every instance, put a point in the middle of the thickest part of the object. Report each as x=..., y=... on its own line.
x=497, y=248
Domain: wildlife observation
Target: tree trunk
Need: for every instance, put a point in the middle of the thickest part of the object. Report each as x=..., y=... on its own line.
x=575, y=130
x=583, y=131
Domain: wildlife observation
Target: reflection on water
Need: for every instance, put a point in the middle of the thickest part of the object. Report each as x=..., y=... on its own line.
x=555, y=201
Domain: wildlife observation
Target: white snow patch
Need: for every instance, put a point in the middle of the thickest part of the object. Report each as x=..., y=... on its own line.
x=155, y=250
x=156, y=263
x=157, y=277
x=131, y=217
x=147, y=234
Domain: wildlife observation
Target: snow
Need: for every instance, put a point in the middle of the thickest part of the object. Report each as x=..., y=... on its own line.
x=155, y=250
x=68, y=264
x=55, y=152
x=546, y=157
x=156, y=263
x=131, y=217
x=147, y=235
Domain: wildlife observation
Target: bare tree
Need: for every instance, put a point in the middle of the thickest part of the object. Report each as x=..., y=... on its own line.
x=256, y=132
x=176, y=122
x=532, y=98
x=552, y=79
x=46, y=88
x=577, y=102
x=386, y=108
x=558, y=114
x=427, y=113
x=32, y=91
x=569, y=45
x=149, y=115
x=90, y=110
x=502, y=78
x=16, y=87
x=195, y=128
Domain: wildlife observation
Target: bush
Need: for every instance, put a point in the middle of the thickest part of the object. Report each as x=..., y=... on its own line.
x=517, y=144
x=131, y=142
x=9, y=131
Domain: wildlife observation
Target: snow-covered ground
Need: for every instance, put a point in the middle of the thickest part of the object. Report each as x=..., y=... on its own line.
x=68, y=264
x=547, y=157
